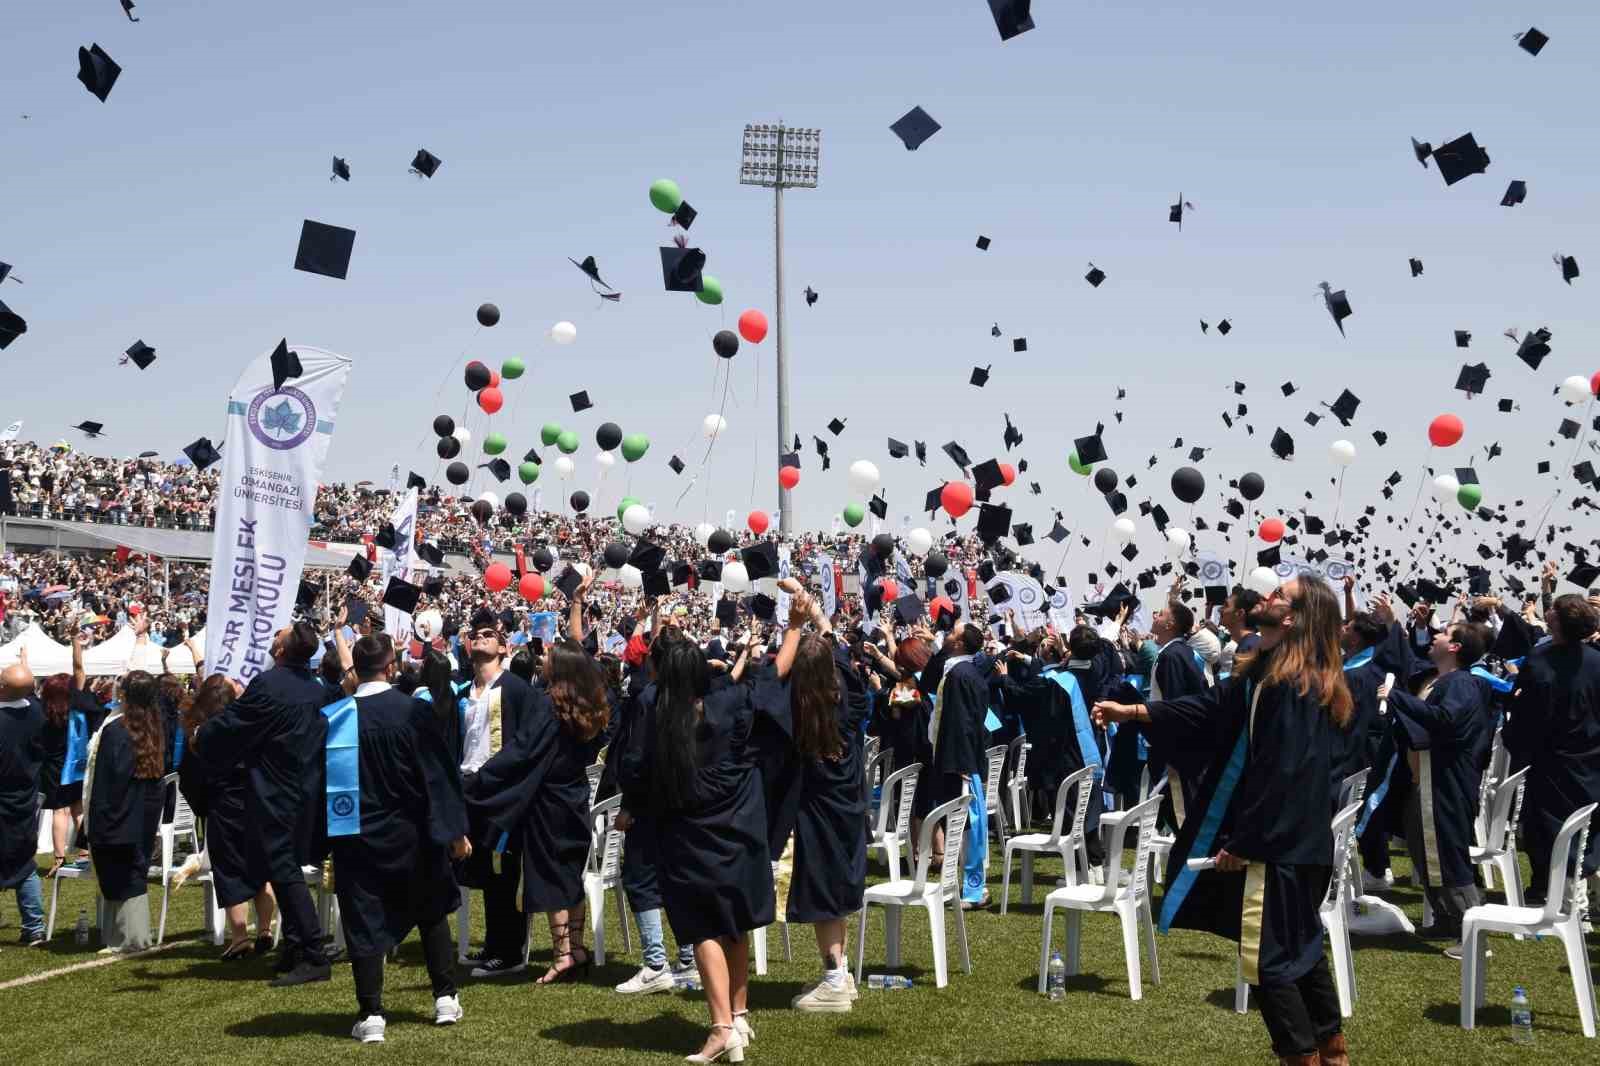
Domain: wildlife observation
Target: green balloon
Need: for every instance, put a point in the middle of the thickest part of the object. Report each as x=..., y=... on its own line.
x=494, y=443
x=710, y=290
x=512, y=368
x=665, y=196
x=627, y=502
x=528, y=472
x=550, y=433
x=1469, y=496
x=634, y=445
x=567, y=441
x=1079, y=468
x=853, y=514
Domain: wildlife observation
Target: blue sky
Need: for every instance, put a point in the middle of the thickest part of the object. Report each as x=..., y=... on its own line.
x=171, y=213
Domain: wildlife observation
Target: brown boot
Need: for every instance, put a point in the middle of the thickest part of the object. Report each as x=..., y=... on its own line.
x=1312, y=1059
x=1334, y=1051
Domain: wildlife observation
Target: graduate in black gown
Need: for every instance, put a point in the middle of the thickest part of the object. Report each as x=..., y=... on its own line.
x=22, y=753
x=1179, y=672
x=122, y=808
x=276, y=732
x=698, y=776
x=1268, y=731
x=959, y=738
x=1554, y=730
x=396, y=819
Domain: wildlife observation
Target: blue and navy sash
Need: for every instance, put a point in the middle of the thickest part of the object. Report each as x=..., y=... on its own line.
x=77, y=761
x=343, y=754
x=1359, y=659
x=1499, y=684
x=1081, y=724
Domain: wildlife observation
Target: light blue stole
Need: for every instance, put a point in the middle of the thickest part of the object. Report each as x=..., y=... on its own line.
x=343, y=755
x=77, y=761
x=1080, y=721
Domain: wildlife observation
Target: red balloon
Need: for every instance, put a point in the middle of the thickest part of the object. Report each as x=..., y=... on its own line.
x=1445, y=431
x=1272, y=530
x=1009, y=473
x=1594, y=383
x=938, y=605
x=956, y=498
x=494, y=379
x=497, y=577
x=891, y=590
x=759, y=522
x=491, y=399
x=789, y=476
x=753, y=326
x=531, y=587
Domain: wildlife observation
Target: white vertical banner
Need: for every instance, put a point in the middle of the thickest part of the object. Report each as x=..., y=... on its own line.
x=11, y=432
x=272, y=458
x=1061, y=609
x=783, y=597
x=397, y=563
x=825, y=581
x=1027, y=599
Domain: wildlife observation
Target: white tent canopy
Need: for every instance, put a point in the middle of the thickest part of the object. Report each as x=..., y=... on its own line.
x=112, y=658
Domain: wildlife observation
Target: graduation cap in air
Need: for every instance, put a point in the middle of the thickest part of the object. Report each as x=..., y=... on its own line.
x=1531, y=41
x=994, y=520
x=202, y=453
x=1344, y=408
x=1224, y=327
x=789, y=459
x=97, y=71
x=140, y=354
x=1381, y=437
x=915, y=127
x=1473, y=379
x=1019, y=344
x=811, y=296
x=1516, y=192
x=680, y=268
x=1058, y=532
x=127, y=9
x=1095, y=276
x=1583, y=575
x=1282, y=444
x=285, y=365
x=1463, y=338
x=676, y=464
x=1312, y=418
x=648, y=555
x=983, y=243
x=1460, y=158
x=878, y=506
x=425, y=163
x=1090, y=449
x=1013, y=436
x=360, y=567
x=931, y=502
x=836, y=427
x=1416, y=268
x=341, y=169
x=430, y=553
x=1175, y=212
x=1338, y=305
x=685, y=215
x=986, y=476
x=994, y=330
x=591, y=270
x=1287, y=388
x=402, y=595
x=655, y=582
x=1205, y=327
x=1568, y=265
x=499, y=468
x=898, y=449
x=1584, y=471
x=580, y=401
x=1533, y=347
x=324, y=249
x=1013, y=17
x=305, y=596
x=980, y=376
x=958, y=455
x=415, y=480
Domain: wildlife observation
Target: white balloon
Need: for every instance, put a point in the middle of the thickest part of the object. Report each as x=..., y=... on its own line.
x=463, y=434
x=736, y=578
x=1343, y=452
x=864, y=477
x=605, y=459
x=428, y=624
x=1123, y=530
x=1262, y=580
x=1445, y=487
x=1576, y=389
x=490, y=498
x=919, y=541
x=563, y=333
x=565, y=467
x=1178, y=541
x=636, y=519
x=702, y=533
x=713, y=425
x=630, y=576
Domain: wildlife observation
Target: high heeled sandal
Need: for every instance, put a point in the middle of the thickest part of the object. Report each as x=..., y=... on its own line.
x=741, y=1022
x=572, y=933
x=733, y=1048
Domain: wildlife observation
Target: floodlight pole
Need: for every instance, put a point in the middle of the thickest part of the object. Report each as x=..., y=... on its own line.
x=785, y=519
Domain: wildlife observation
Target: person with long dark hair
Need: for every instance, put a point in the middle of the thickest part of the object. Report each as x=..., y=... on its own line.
x=1272, y=734
x=122, y=808
x=72, y=715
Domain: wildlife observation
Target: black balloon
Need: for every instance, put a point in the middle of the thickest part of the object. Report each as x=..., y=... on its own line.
x=580, y=501
x=457, y=473
x=482, y=510
x=1188, y=484
x=725, y=343
x=477, y=376
x=517, y=503
x=1105, y=479
x=444, y=425
x=883, y=544
x=719, y=542
x=608, y=436
x=1251, y=486
x=543, y=560
x=448, y=447
x=617, y=554
x=935, y=564
x=488, y=314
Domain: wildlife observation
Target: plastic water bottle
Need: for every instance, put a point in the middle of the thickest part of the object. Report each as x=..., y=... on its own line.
x=80, y=932
x=1057, y=978
x=1521, y=1018
x=888, y=982
x=688, y=980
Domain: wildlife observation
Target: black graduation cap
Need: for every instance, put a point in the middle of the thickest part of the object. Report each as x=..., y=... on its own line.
x=1282, y=444
x=1269, y=556
x=1117, y=501
x=811, y=296
x=1344, y=408
x=789, y=459
x=1013, y=437
x=97, y=71
x=1287, y=388
x=1090, y=449
x=1395, y=478
x=592, y=270
x=1019, y=344
x=1569, y=428
x=415, y=480
x=878, y=506
x=1312, y=418
x=1058, y=532
x=1175, y=212
x=983, y=243
x=655, y=582
x=1465, y=475
x=202, y=453
x=761, y=606
x=1534, y=346
x=1224, y=327
x=680, y=268
x=958, y=455
x=1205, y=327
x=324, y=249
x=425, y=163
x=980, y=376
x=676, y=464
x=341, y=169
x=1516, y=192
x=1584, y=471
x=356, y=610
x=908, y=609
x=915, y=127
x=647, y=556
x=685, y=215
x=681, y=573
x=1422, y=150
x=1416, y=268
x=986, y=475
x=580, y=401
x=1507, y=405
x=90, y=429
x=499, y=468
x=1569, y=267
x=1095, y=276
x=994, y=520
x=305, y=596
x=760, y=560
x=360, y=567
x=1473, y=379
x=994, y=330
x=836, y=427
x=898, y=449
x=1531, y=42
x=1338, y=305
x=1463, y=338
x=569, y=579
x=1015, y=17
x=1460, y=158
x=127, y=9
x=728, y=612
x=285, y=365
x=402, y=595
x=1196, y=454
x=1235, y=508
x=1584, y=574
x=141, y=354
x=430, y=553
x=931, y=502
x=1544, y=466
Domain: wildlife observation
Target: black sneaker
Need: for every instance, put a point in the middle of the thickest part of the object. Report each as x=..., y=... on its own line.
x=33, y=940
x=1438, y=932
x=304, y=973
x=497, y=967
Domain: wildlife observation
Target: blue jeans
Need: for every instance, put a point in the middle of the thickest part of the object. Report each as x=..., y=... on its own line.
x=653, y=941
x=974, y=868
x=30, y=902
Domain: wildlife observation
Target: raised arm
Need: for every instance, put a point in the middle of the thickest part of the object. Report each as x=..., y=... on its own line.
x=575, y=609
x=79, y=678
x=1349, y=596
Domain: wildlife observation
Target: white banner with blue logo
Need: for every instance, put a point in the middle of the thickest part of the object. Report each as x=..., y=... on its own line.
x=830, y=596
x=273, y=454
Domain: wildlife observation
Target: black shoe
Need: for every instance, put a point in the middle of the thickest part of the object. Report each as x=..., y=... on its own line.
x=498, y=967
x=1436, y=931
x=304, y=974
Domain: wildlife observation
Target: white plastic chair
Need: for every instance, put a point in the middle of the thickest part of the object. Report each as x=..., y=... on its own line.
x=594, y=771
x=874, y=768
x=1071, y=845
x=603, y=872
x=1497, y=855
x=1019, y=805
x=1125, y=895
x=931, y=895
x=74, y=872
x=899, y=791
x=758, y=938
x=1560, y=917
x=1160, y=843
x=175, y=827
x=991, y=792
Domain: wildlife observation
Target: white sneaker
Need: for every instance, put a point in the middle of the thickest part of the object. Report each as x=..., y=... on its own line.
x=823, y=998
x=647, y=981
x=447, y=1010
x=850, y=985
x=369, y=1030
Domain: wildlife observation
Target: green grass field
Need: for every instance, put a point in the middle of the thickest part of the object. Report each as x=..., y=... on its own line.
x=180, y=1006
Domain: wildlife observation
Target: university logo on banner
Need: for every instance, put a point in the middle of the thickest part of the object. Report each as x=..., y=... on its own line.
x=1028, y=599
x=1333, y=571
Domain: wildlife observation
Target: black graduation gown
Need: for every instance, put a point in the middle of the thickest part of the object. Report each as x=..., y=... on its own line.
x=714, y=864
x=1360, y=741
x=1177, y=674
x=1445, y=730
x=1554, y=729
x=124, y=813
x=22, y=753
x=1254, y=804
x=830, y=831
x=221, y=795
x=960, y=743
x=625, y=763
x=536, y=790
x=276, y=730
x=395, y=875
